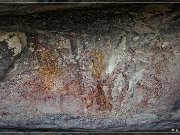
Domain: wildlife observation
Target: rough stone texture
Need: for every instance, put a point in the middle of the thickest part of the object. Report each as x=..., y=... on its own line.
x=114, y=69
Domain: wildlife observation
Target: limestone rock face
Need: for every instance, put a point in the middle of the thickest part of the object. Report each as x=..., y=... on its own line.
x=110, y=69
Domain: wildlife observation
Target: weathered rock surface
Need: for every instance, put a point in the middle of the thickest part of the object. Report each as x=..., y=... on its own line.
x=109, y=69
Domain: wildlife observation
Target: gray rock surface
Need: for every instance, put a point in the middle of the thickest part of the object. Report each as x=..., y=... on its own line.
x=112, y=69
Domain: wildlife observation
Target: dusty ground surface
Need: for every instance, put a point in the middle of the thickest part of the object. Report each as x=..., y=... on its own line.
x=114, y=69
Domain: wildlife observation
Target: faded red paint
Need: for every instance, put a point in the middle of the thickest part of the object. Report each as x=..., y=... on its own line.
x=98, y=100
x=38, y=90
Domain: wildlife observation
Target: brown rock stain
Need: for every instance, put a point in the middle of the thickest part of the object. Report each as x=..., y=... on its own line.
x=97, y=66
x=41, y=86
x=47, y=59
x=48, y=63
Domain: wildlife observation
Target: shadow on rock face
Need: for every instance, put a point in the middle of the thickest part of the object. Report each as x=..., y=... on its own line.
x=5, y=58
x=176, y=105
x=11, y=45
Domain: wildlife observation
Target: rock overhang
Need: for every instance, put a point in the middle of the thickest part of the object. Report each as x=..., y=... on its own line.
x=95, y=69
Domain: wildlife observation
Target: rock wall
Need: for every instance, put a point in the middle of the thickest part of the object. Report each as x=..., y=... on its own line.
x=114, y=69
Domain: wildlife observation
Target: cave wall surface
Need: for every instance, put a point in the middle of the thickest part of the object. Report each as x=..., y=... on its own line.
x=112, y=69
